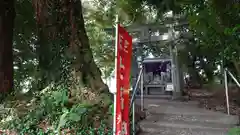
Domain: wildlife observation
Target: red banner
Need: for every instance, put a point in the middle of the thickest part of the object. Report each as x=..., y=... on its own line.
x=124, y=54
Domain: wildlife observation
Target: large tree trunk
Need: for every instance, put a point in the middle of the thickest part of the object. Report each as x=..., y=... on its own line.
x=84, y=65
x=85, y=69
x=85, y=73
x=7, y=15
x=43, y=45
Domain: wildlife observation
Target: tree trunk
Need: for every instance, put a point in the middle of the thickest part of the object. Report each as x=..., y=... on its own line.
x=7, y=15
x=85, y=68
x=71, y=27
x=43, y=47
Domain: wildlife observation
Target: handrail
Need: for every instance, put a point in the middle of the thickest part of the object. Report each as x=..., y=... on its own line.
x=234, y=78
x=132, y=105
x=227, y=72
x=135, y=88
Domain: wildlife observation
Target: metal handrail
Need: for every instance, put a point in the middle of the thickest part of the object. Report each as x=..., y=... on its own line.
x=135, y=88
x=132, y=104
x=227, y=72
x=233, y=77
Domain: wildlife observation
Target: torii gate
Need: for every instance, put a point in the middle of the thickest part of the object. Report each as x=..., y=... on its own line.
x=164, y=34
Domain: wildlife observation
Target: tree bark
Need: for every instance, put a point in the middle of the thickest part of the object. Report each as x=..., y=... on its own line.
x=84, y=66
x=7, y=15
x=71, y=27
x=80, y=47
x=43, y=45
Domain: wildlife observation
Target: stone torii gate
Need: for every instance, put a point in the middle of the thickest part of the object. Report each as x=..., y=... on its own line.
x=162, y=35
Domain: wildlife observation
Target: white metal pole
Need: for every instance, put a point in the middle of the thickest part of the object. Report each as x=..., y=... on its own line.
x=226, y=91
x=115, y=92
x=142, y=102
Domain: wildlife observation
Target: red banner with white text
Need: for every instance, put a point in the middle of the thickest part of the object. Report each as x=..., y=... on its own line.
x=124, y=54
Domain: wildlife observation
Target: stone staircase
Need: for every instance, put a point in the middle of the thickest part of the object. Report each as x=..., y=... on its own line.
x=167, y=117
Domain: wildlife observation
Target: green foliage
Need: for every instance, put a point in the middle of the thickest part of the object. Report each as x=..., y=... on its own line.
x=53, y=113
x=232, y=31
x=213, y=39
x=234, y=131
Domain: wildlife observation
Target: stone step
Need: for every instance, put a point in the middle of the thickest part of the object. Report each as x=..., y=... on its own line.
x=223, y=120
x=155, y=96
x=184, y=124
x=180, y=109
x=167, y=117
x=184, y=133
x=179, y=129
x=161, y=101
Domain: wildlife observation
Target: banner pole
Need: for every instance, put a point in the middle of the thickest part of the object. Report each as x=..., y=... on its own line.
x=115, y=96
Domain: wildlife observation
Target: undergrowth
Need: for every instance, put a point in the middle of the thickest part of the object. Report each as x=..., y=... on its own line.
x=234, y=131
x=51, y=113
